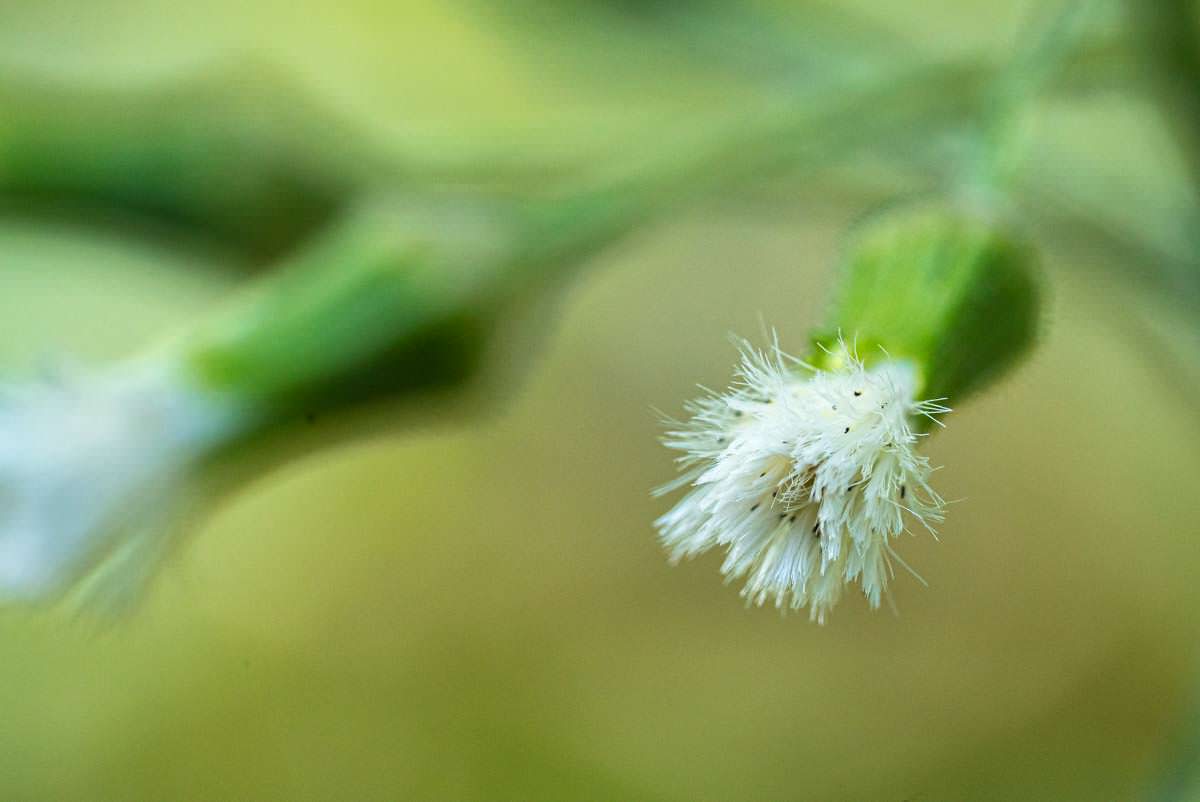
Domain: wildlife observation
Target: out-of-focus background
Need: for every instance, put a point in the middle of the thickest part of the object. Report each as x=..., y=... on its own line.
x=469, y=603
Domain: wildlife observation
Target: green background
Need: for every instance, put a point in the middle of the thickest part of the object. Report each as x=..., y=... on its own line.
x=467, y=601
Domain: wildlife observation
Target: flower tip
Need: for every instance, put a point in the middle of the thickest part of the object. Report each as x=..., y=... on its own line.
x=87, y=463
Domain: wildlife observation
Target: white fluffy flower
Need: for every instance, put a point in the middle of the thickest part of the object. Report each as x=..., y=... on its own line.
x=803, y=477
x=89, y=467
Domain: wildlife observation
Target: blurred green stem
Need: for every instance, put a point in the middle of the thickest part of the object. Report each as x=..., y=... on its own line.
x=242, y=155
x=335, y=323
x=1167, y=32
x=1180, y=782
x=238, y=154
x=1050, y=45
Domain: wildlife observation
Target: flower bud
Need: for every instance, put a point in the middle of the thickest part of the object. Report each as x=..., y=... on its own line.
x=806, y=472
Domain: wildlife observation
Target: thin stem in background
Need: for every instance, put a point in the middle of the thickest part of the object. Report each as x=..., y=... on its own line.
x=1167, y=32
x=1045, y=49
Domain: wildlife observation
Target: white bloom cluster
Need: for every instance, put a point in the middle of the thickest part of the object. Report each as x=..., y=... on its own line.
x=803, y=476
x=90, y=466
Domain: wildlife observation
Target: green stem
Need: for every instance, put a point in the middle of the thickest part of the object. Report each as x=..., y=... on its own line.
x=253, y=163
x=263, y=166
x=337, y=323
x=784, y=138
x=1002, y=140
x=1167, y=31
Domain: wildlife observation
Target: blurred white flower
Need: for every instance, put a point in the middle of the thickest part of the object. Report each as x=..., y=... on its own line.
x=91, y=466
x=804, y=477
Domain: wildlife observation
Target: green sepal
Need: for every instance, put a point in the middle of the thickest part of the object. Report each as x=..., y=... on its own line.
x=951, y=290
x=373, y=307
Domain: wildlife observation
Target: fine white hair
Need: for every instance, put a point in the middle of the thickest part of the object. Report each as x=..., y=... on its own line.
x=803, y=476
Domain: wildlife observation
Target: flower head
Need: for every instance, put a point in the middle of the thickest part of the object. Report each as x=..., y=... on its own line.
x=803, y=476
x=89, y=466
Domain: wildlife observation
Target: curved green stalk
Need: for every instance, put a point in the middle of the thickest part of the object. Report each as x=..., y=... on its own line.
x=1047, y=51
x=261, y=167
